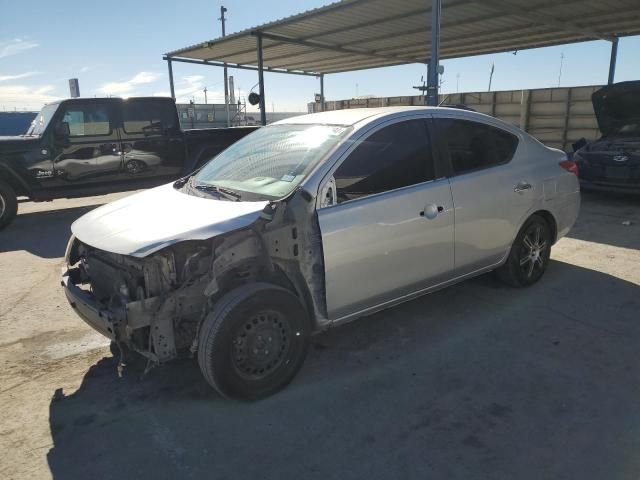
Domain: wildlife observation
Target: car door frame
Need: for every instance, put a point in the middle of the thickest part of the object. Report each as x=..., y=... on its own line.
x=471, y=269
x=168, y=141
x=341, y=154
x=115, y=125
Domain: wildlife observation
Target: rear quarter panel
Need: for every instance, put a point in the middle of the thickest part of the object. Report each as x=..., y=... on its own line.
x=557, y=190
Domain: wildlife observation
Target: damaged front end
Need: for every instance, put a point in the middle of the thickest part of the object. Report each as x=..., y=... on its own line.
x=156, y=304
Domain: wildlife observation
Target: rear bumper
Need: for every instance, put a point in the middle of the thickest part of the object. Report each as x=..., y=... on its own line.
x=93, y=313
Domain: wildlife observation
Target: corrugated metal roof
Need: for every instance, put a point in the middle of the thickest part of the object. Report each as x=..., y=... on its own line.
x=359, y=34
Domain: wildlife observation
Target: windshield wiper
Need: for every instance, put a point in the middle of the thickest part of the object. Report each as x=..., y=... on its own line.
x=223, y=192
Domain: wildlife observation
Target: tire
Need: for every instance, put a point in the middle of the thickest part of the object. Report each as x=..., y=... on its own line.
x=8, y=204
x=529, y=255
x=254, y=341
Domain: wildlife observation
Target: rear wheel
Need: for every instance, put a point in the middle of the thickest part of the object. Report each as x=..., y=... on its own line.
x=529, y=254
x=8, y=204
x=254, y=341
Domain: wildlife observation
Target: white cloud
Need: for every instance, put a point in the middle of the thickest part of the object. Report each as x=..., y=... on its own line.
x=23, y=97
x=193, y=78
x=191, y=87
x=85, y=69
x=15, y=46
x=4, y=78
x=126, y=87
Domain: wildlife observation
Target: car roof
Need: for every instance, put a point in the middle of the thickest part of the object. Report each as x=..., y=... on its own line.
x=353, y=116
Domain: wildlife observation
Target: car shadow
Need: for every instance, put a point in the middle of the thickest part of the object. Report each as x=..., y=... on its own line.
x=44, y=234
x=475, y=381
x=609, y=218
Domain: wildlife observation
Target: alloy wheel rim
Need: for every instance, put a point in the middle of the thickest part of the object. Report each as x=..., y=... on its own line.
x=261, y=344
x=534, y=247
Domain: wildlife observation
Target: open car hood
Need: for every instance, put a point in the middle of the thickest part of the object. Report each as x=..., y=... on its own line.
x=617, y=107
x=149, y=221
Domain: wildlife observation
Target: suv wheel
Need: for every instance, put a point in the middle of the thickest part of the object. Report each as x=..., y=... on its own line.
x=529, y=254
x=8, y=204
x=254, y=341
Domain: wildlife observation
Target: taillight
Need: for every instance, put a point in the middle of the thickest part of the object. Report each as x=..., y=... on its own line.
x=570, y=166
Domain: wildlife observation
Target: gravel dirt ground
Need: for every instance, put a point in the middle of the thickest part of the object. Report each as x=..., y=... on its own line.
x=476, y=381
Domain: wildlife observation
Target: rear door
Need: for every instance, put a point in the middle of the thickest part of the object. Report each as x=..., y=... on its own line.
x=491, y=192
x=387, y=231
x=91, y=153
x=153, y=144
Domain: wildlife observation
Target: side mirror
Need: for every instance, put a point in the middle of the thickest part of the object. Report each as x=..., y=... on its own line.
x=328, y=194
x=61, y=131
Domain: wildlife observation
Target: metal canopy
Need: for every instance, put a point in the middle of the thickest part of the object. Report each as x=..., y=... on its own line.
x=360, y=34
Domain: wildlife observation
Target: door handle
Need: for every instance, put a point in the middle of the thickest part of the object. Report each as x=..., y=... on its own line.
x=431, y=211
x=521, y=187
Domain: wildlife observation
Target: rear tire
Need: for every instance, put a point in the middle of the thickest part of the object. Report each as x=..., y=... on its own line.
x=254, y=341
x=8, y=204
x=529, y=255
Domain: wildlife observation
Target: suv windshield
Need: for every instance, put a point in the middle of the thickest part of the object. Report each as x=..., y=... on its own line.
x=42, y=119
x=272, y=161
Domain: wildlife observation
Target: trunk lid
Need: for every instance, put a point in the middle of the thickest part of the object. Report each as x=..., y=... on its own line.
x=617, y=109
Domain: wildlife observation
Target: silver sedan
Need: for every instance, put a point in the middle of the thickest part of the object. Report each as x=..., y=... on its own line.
x=312, y=222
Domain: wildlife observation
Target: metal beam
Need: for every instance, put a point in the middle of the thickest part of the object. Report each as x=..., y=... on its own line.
x=225, y=74
x=307, y=15
x=173, y=91
x=342, y=29
x=432, y=77
x=612, y=60
x=322, y=92
x=542, y=18
x=333, y=48
x=263, y=113
x=241, y=67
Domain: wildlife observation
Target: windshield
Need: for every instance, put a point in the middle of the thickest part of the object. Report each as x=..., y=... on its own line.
x=272, y=161
x=42, y=120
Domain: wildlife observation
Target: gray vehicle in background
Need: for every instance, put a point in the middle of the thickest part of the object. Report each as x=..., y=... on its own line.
x=312, y=222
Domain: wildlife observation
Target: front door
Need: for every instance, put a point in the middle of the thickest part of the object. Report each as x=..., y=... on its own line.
x=153, y=145
x=90, y=153
x=389, y=230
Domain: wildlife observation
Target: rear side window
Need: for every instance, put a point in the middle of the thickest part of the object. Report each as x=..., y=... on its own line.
x=474, y=146
x=395, y=156
x=148, y=117
x=87, y=120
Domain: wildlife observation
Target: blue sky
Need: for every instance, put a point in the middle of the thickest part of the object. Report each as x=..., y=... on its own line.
x=116, y=47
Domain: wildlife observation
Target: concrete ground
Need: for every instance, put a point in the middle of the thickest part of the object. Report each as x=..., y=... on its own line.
x=476, y=381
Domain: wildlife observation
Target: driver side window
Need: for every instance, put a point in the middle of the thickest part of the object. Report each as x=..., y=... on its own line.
x=87, y=120
x=395, y=156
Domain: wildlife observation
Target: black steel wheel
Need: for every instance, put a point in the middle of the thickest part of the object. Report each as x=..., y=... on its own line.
x=254, y=341
x=529, y=254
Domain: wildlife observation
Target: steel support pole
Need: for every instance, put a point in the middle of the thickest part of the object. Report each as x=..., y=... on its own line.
x=612, y=60
x=173, y=91
x=263, y=112
x=432, y=74
x=322, y=92
x=226, y=77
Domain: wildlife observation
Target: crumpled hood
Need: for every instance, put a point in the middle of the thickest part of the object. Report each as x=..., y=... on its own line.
x=149, y=221
x=17, y=144
x=617, y=105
